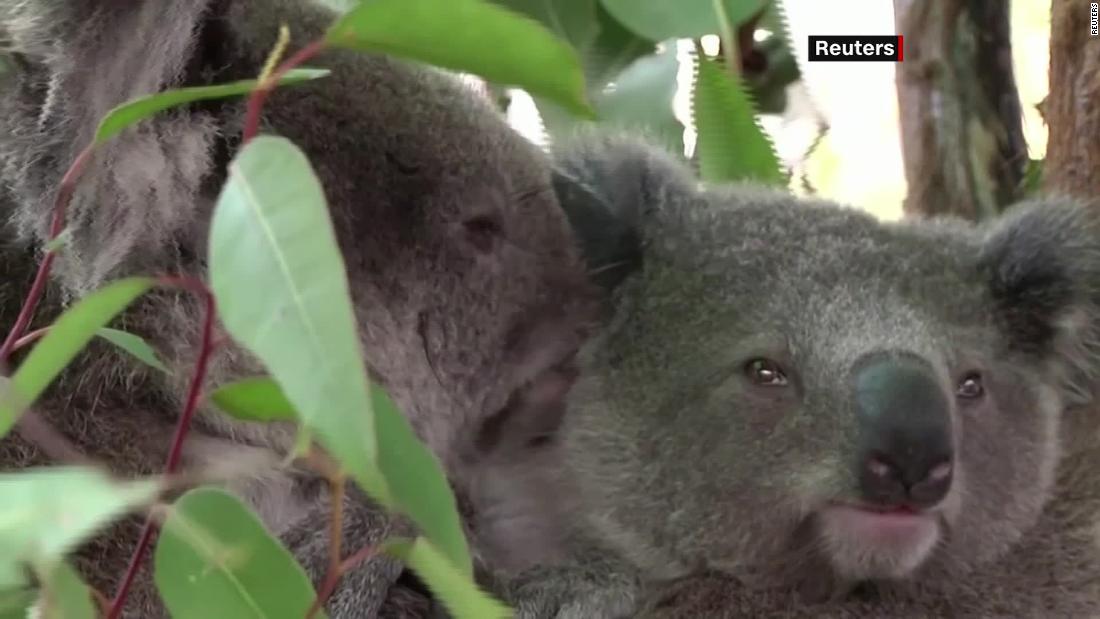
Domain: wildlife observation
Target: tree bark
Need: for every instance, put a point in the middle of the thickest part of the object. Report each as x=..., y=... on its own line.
x=1072, y=109
x=961, y=125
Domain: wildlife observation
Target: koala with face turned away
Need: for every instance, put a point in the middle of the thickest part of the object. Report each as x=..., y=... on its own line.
x=469, y=290
x=800, y=411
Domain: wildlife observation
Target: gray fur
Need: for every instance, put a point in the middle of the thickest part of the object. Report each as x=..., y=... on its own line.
x=714, y=493
x=468, y=289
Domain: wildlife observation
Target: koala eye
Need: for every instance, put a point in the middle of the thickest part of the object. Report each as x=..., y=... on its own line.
x=970, y=387
x=765, y=372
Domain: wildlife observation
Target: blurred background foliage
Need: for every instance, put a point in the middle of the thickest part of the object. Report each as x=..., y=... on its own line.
x=834, y=125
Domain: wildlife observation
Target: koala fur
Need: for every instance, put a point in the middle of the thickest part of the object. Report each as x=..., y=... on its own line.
x=470, y=293
x=717, y=437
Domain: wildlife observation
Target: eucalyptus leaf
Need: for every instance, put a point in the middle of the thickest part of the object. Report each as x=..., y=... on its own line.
x=642, y=99
x=658, y=20
x=67, y=337
x=731, y=145
x=15, y=603
x=49, y=511
x=133, y=344
x=474, y=36
x=446, y=583
x=214, y=558
x=415, y=478
x=254, y=399
x=65, y=596
x=280, y=285
x=141, y=108
x=281, y=288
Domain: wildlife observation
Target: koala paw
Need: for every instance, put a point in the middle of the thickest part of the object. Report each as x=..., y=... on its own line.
x=573, y=593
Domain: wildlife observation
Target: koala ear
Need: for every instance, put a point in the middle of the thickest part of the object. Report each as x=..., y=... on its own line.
x=608, y=185
x=1042, y=261
x=609, y=245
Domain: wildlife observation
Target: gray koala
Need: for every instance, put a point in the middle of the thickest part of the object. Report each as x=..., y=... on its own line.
x=469, y=289
x=800, y=411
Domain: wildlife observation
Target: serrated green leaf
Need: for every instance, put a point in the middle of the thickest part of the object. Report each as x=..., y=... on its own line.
x=48, y=511
x=658, y=20
x=446, y=583
x=214, y=558
x=280, y=283
x=254, y=399
x=133, y=344
x=65, y=596
x=468, y=35
x=769, y=88
x=730, y=146
x=138, y=109
x=67, y=337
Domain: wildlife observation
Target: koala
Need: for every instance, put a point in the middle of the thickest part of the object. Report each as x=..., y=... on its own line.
x=467, y=283
x=798, y=410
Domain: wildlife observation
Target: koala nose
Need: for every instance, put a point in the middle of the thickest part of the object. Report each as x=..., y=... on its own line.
x=905, y=456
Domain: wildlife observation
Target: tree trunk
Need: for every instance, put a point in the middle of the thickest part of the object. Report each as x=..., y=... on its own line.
x=961, y=125
x=1072, y=109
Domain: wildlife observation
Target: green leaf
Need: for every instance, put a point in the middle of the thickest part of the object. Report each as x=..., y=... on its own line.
x=642, y=99
x=279, y=280
x=138, y=109
x=769, y=87
x=658, y=20
x=573, y=21
x=449, y=585
x=214, y=558
x=468, y=35
x=48, y=511
x=16, y=603
x=254, y=399
x=65, y=596
x=731, y=146
x=615, y=48
x=67, y=337
x=1032, y=181
x=417, y=482
x=134, y=345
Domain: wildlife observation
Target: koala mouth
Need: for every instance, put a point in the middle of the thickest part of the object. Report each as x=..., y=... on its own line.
x=865, y=541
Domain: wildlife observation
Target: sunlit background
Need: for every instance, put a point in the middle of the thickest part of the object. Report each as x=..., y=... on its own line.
x=858, y=160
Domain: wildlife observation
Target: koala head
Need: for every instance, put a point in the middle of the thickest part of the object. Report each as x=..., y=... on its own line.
x=469, y=290
x=788, y=383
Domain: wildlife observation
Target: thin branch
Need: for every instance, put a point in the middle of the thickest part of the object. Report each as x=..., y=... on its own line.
x=30, y=338
x=346, y=566
x=176, y=451
x=336, y=533
x=728, y=39
x=41, y=278
x=259, y=96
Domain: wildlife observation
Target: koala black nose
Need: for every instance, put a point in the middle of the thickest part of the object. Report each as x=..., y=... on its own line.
x=905, y=457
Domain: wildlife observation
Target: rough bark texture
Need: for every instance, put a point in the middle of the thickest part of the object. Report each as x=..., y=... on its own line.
x=1072, y=108
x=961, y=126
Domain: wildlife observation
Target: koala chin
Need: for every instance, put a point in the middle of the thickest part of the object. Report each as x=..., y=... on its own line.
x=865, y=543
